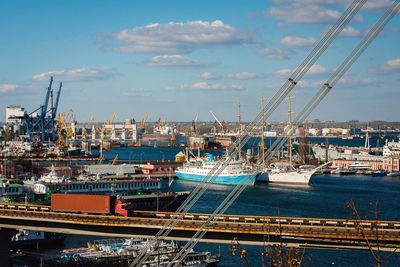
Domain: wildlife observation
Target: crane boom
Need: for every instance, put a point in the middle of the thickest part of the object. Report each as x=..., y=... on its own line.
x=215, y=117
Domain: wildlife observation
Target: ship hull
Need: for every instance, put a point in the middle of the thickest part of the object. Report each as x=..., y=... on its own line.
x=294, y=178
x=248, y=179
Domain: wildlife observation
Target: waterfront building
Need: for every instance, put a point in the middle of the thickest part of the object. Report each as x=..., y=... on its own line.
x=391, y=164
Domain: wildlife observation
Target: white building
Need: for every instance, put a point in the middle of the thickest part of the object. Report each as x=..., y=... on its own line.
x=15, y=115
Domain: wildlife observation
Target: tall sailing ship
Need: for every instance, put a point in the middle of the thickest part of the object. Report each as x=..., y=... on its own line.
x=289, y=174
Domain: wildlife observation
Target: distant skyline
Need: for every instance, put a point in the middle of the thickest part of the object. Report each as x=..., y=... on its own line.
x=175, y=59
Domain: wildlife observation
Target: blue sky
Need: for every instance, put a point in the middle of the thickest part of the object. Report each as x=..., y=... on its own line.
x=180, y=58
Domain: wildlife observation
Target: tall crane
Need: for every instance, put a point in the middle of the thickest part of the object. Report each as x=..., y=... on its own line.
x=42, y=121
x=112, y=119
x=142, y=124
x=222, y=124
x=193, y=127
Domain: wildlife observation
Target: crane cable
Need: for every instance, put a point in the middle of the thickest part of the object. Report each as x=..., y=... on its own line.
x=265, y=113
x=335, y=77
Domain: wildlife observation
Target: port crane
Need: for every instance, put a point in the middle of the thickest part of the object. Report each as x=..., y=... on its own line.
x=42, y=121
x=335, y=77
x=112, y=119
x=286, y=88
x=222, y=124
x=142, y=125
x=193, y=128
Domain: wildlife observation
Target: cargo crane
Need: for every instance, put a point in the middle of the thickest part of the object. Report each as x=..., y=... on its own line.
x=267, y=110
x=43, y=124
x=142, y=125
x=193, y=127
x=222, y=124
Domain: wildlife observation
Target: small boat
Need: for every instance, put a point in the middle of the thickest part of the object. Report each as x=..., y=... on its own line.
x=359, y=166
x=379, y=173
x=341, y=171
x=393, y=174
x=33, y=239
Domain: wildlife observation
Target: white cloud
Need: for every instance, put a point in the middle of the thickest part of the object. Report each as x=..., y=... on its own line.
x=352, y=81
x=304, y=13
x=283, y=73
x=7, y=87
x=350, y=32
x=135, y=93
x=317, y=69
x=391, y=66
x=297, y=41
x=205, y=86
x=378, y=5
x=275, y=53
x=314, y=70
x=76, y=75
x=176, y=37
x=172, y=61
x=209, y=76
x=244, y=75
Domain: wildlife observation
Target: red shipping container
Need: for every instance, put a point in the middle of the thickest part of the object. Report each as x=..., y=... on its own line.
x=84, y=203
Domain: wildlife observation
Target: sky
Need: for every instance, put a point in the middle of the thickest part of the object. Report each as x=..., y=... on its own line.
x=177, y=59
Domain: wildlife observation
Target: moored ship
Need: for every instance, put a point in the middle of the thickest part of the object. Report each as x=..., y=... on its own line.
x=236, y=172
x=300, y=176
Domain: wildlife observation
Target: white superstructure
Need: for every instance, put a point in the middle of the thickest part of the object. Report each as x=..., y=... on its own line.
x=235, y=172
x=348, y=153
x=391, y=148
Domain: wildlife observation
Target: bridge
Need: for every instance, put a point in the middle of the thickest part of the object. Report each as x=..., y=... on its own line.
x=247, y=229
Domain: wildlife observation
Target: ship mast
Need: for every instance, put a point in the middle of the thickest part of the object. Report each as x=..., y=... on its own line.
x=262, y=141
x=289, y=127
x=239, y=128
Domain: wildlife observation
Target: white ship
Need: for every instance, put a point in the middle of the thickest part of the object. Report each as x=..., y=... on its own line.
x=300, y=176
x=287, y=174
